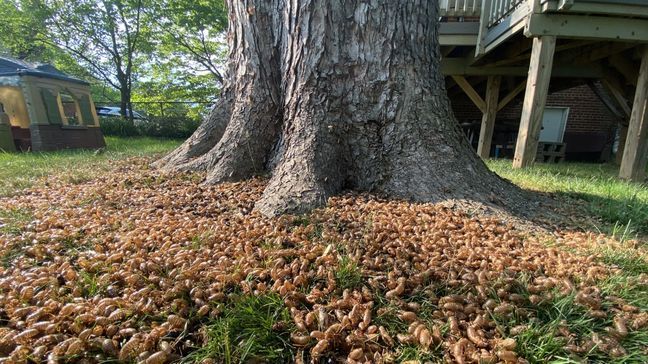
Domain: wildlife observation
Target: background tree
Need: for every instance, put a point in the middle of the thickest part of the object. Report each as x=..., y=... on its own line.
x=105, y=37
x=178, y=55
x=23, y=35
x=333, y=95
x=191, y=33
x=189, y=57
x=172, y=85
x=20, y=30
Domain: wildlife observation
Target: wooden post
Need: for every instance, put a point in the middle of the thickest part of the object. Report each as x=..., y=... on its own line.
x=488, y=117
x=535, y=98
x=470, y=91
x=633, y=165
x=511, y=95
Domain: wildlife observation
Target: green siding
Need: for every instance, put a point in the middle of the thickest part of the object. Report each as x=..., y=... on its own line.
x=6, y=138
x=51, y=107
x=86, y=110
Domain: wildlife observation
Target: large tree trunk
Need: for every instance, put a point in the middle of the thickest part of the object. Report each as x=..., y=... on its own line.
x=334, y=95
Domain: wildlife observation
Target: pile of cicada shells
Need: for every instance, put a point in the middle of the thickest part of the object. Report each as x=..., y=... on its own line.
x=132, y=265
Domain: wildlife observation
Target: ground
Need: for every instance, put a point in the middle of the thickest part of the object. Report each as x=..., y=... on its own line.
x=104, y=259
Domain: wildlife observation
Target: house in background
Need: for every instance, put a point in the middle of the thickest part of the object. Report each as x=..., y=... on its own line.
x=565, y=74
x=47, y=109
x=575, y=117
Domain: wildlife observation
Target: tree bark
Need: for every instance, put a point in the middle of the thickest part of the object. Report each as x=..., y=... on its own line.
x=336, y=95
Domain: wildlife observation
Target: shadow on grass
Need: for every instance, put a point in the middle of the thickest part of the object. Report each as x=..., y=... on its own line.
x=623, y=218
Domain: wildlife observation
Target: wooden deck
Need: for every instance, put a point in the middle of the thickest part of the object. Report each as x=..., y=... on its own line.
x=535, y=45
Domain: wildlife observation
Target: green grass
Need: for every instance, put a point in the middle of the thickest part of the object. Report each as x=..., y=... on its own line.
x=250, y=329
x=23, y=170
x=201, y=239
x=621, y=206
x=415, y=353
x=7, y=257
x=12, y=221
x=89, y=283
x=348, y=275
x=628, y=287
x=626, y=259
x=541, y=342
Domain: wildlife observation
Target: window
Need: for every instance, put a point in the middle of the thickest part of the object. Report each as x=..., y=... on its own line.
x=86, y=110
x=70, y=109
x=51, y=106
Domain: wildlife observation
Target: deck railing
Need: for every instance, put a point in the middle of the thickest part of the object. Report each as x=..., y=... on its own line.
x=460, y=7
x=500, y=19
x=500, y=9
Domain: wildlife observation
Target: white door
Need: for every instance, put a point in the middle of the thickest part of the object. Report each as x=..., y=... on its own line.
x=553, y=124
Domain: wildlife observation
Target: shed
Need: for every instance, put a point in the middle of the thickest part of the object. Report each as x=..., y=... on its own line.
x=47, y=109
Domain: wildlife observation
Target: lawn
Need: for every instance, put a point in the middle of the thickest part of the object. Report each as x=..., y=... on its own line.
x=621, y=207
x=120, y=262
x=22, y=170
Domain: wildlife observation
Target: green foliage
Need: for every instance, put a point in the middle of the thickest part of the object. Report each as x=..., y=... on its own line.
x=109, y=39
x=191, y=30
x=20, y=31
x=154, y=51
x=118, y=126
x=250, y=329
x=168, y=126
x=177, y=127
x=188, y=61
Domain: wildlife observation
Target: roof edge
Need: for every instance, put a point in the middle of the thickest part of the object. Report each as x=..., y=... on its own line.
x=24, y=72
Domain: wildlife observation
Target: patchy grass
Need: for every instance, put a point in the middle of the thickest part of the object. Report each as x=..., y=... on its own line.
x=542, y=340
x=621, y=206
x=629, y=288
x=8, y=255
x=89, y=284
x=348, y=275
x=12, y=221
x=627, y=259
x=199, y=240
x=418, y=355
x=250, y=329
x=23, y=170
x=231, y=261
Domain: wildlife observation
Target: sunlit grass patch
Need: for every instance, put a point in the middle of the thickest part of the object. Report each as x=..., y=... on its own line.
x=418, y=355
x=250, y=329
x=348, y=275
x=23, y=170
x=89, y=284
x=633, y=289
x=12, y=221
x=613, y=201
x=631, y=261
x=10, y=253
x=199, y=240
x=560, y=322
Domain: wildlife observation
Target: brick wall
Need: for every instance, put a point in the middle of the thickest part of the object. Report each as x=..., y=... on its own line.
x=55, y=137
x=590, y=126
